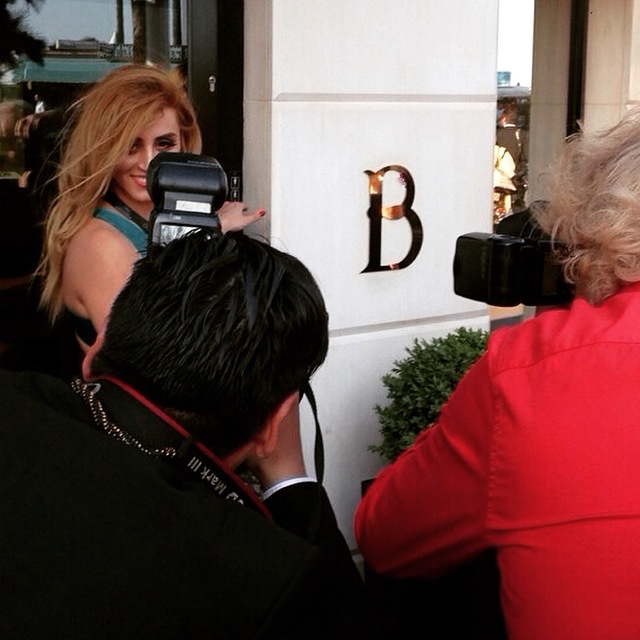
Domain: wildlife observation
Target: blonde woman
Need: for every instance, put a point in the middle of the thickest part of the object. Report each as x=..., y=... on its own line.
x=96, y=228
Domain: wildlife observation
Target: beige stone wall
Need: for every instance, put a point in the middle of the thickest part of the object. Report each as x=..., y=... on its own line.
x=336, y=88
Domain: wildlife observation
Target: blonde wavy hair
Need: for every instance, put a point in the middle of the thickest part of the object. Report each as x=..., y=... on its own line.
x=594, y=208
x=103, y=125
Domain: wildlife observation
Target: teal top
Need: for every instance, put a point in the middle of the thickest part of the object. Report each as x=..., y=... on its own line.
x=129, y=229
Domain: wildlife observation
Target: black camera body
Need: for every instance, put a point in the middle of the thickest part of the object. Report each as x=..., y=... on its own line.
x=506, y=270
x=187, y=189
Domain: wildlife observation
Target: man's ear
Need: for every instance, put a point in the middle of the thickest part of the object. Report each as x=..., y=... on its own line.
x=93, y=349
x=266, y=439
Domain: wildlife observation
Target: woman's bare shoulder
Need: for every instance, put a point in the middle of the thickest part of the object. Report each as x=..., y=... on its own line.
x=99, y=241
x=97, y=263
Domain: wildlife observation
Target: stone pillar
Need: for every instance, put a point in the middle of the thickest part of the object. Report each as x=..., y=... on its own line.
x=550, y=77
x=336, y=89
x=610, y=76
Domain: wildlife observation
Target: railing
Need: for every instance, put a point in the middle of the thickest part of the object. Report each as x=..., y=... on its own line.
x=106, y=51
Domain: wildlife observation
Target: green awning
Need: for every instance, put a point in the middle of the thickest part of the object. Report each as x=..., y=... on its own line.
x=64, y=70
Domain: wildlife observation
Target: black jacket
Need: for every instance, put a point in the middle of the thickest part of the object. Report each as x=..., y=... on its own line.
x=99, y=540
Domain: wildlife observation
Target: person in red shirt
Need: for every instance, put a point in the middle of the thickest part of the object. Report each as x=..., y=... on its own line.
x=536, y=452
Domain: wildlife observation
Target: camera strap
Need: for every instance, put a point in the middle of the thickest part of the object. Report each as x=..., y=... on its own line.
x=178, y=448
x=175, y=445
x=318, y=447
x=125, y=210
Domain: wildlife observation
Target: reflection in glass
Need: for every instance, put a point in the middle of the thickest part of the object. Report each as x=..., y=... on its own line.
x=515, y=56
x=34, y=101
x=103, y=35
x=510, y=159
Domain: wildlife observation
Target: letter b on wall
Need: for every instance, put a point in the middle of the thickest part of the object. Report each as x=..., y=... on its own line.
x=377, y=211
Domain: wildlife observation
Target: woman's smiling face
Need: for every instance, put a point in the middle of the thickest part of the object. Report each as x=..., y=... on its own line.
x=129, y=181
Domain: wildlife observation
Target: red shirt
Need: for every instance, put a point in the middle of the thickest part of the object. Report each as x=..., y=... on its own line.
x=536, y=454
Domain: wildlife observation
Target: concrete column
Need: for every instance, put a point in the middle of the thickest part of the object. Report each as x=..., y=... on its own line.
x=611, y=38
x=550, y=76
x=334, y=89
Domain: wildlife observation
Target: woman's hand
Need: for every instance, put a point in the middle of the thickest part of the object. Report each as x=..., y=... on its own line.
x=234, y=216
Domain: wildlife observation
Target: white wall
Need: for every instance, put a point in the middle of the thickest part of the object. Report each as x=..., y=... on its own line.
x=332, y=89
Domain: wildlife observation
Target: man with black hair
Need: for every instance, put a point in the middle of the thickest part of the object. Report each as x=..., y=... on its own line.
x=123, y=513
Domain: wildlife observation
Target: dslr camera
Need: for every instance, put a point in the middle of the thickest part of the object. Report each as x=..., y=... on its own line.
x=515, y=265
x=186, y=189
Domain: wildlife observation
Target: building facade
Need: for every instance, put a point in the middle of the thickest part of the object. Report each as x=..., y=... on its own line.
x=366, y=130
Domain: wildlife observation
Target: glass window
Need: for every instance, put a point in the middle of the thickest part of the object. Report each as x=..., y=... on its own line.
x=83, y=40
x=510, y=154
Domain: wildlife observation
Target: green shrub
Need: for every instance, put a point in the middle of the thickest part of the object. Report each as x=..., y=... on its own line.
x=419, y=385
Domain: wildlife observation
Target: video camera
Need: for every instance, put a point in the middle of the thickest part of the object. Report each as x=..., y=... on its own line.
x=516, y=265
x=187, y=189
